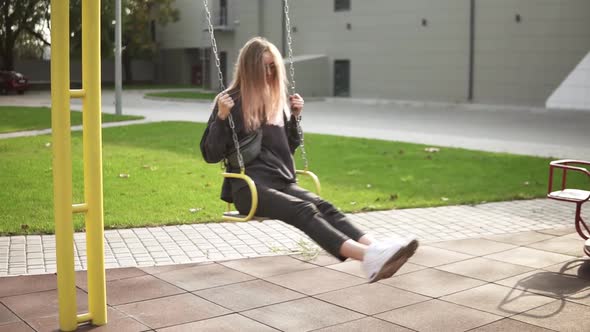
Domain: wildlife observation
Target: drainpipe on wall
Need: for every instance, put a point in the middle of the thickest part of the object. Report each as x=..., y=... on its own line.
x=471, y=49
x=260, y=18
x=118, y=64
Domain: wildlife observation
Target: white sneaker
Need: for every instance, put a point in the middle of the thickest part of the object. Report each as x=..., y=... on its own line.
x=383, y=259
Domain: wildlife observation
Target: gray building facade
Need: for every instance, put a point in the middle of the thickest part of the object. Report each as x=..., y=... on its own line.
x=485, y=51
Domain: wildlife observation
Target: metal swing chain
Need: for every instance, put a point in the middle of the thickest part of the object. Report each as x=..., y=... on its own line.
x=222, y=86
x=292, y=83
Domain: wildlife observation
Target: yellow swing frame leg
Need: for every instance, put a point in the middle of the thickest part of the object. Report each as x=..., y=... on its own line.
x=62, y=164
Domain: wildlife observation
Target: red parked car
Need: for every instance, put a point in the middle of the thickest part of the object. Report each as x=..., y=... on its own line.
x=13, y=81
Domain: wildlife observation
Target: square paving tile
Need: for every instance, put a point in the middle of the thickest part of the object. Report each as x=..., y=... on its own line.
x=499, y=300
x=229, y=323
x=352, y=267
x=368, y=324
x=529, y=257
x=355, y=268
x=16, y=327
x=110, y=275
x=315, y=281
x=41, y=304
x=549, y=284
x=171, y=267
x=520, y=238
x=248, y=295
x=579, y=267
x=6, y=316
x=561, y=245
x=138, y=289
x=510, y=325
x=27, y=284
x=371, y=299
x=559, y=231
x=126, y=324
x=323, y=259
x=431, y=256
x=432, y=282
x=204, y=276
x=572, y=317
x=485, y=269
x=117, y=321
x=436, y=316
x=172, y=310
x=268, y=266
x=475, y=247
x=302, y=315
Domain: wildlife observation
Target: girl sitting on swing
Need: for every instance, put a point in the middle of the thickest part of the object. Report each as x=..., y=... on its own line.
x=257, y=100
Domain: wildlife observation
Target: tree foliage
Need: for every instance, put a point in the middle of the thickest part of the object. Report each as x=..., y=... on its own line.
x=139, y=18
x=21, y=23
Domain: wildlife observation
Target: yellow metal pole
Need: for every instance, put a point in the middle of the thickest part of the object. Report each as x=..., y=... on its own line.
x=62, y=163
x=93, y=160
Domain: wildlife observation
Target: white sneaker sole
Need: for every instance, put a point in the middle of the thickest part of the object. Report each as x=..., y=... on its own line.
x=395, y=262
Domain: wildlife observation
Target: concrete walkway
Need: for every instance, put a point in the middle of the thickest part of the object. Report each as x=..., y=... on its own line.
x=520, y=130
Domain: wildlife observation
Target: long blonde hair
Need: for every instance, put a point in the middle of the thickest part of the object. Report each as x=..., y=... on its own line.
x=262, y=101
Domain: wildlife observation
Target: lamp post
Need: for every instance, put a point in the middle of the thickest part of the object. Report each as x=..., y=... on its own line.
x=118, y=85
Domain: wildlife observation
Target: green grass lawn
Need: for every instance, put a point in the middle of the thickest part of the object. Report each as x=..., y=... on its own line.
x=14, y=118
x=154, y=175
x=184, y=95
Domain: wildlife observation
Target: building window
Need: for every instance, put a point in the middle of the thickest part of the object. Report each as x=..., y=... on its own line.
x=222, y=12
x=341, y=5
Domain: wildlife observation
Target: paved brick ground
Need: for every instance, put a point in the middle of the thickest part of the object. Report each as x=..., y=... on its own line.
x=212, y=242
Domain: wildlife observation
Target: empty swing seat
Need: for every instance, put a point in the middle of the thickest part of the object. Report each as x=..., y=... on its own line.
x=573, y=195
x=578, y=196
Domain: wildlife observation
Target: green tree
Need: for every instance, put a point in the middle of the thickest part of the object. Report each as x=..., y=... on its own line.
x=139, y=19
x=21, y=24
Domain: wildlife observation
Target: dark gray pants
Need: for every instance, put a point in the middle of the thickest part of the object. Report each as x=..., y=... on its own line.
x=317, y=218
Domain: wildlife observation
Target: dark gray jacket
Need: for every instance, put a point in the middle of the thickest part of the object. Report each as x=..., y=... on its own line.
x=274, y=166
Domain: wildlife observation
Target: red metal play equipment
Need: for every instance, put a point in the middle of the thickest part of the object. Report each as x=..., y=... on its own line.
x=577, y=196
